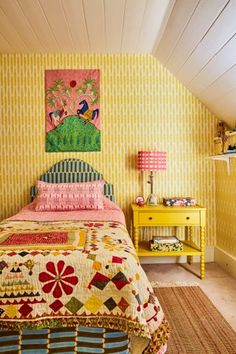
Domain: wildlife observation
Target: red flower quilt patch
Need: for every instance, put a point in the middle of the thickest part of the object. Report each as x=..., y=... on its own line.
x=58, y=279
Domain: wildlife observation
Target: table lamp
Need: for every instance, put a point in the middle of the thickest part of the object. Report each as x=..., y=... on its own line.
x=151, y=161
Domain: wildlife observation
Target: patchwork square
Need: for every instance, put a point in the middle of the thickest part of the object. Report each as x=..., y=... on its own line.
x=120, y=280
x=25, y=310
x=123, y=304
x=100, y=281
x=110, y=304
x=93, y=304
x=74, y=305
x=57, y=239
x=56, y=305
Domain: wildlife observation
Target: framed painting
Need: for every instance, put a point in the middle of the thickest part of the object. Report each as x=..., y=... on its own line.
x=72, y=110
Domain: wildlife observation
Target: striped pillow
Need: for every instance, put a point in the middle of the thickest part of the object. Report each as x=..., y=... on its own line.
x=69, y=196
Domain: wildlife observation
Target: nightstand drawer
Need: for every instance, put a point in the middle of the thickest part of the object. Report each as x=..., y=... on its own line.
x=171, y=218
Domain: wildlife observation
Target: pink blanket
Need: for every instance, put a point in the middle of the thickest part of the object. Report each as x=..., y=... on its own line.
x=111, y=212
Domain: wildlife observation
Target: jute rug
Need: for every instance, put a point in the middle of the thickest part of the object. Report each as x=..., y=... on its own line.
x=197, y=327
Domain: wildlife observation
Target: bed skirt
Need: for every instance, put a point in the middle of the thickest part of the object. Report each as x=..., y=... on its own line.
x=64, y=341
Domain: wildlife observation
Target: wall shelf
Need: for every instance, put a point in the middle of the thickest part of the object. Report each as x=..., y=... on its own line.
x=226, y=158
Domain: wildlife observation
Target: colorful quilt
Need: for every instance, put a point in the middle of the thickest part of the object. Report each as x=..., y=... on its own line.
x=88, y=276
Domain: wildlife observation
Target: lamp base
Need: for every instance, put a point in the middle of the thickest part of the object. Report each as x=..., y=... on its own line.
x=152, y=199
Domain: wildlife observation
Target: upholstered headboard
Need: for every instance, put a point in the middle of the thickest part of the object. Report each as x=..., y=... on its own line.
x=71, y=171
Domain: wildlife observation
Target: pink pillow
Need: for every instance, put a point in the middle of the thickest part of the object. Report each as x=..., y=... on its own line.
x=69, y=196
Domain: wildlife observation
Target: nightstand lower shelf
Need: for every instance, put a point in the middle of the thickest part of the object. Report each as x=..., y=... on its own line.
x=144, y=251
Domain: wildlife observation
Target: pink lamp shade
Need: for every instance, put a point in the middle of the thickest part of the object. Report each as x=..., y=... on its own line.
x=152, y=160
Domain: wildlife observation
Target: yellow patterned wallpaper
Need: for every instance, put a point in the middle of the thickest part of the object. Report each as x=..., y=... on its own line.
x=143, y=106
x=226, y=205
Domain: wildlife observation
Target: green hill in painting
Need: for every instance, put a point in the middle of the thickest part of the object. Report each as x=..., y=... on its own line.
x=73, y=135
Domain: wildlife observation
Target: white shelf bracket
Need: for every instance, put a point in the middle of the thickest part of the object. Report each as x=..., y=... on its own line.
x=228, y=166
x=226, y=158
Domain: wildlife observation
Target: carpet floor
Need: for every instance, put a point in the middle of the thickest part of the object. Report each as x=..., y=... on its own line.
x=197, y=327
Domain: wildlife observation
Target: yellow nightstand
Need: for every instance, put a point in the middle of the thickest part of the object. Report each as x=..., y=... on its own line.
x=160, y=215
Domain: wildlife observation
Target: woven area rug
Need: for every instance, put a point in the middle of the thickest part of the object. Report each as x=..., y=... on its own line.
x=197, y=327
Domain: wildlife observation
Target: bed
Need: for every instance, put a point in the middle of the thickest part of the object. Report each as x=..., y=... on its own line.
x=70, y=279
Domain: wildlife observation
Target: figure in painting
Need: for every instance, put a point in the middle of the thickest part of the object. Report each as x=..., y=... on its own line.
x=86, y=113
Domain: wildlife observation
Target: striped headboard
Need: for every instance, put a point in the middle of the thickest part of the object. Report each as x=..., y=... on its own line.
x=71, y=171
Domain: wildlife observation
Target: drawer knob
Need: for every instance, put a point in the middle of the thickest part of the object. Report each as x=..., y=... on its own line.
x=150, y=218
x=187, y=217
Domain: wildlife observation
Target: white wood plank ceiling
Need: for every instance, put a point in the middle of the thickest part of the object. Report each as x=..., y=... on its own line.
x=194, y=39
x=81, y=26
x=199, y=48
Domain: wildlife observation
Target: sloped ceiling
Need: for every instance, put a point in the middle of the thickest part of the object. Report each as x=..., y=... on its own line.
x=199, y=48
x=194, y=39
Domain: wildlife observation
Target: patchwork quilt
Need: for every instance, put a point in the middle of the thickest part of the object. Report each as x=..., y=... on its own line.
x=70, y=273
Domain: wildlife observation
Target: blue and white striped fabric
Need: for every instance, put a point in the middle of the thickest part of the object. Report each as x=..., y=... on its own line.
x=64, y=341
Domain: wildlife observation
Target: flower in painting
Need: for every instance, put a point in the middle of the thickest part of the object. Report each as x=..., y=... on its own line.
x=59, y=278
